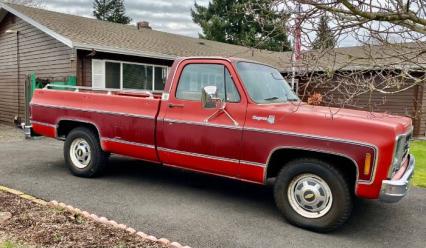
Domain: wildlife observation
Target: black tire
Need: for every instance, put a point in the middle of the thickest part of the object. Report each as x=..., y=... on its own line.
x=98, y=158
x=342, y=202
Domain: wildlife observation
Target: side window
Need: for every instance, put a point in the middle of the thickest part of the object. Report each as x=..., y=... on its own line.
x=232, y=94
x=197, y=76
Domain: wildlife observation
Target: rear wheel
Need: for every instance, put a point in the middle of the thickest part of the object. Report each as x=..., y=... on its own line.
x=83, y=153
x=313, y=194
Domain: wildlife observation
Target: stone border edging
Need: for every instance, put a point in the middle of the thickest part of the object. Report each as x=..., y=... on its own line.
x=94, y=217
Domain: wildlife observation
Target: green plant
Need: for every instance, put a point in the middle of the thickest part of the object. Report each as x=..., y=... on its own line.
x=10, y=244
x=418, y=149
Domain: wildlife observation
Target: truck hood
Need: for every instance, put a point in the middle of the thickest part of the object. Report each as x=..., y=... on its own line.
x=335, y=122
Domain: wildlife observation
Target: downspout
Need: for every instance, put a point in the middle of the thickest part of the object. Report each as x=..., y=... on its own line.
x=10, y=31
x=18, y=69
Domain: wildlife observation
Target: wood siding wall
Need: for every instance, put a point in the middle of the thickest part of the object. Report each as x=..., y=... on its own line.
x=38, y=52
x=84, y=63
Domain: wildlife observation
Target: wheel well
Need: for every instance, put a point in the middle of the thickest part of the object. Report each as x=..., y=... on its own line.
x=281, y=157
x=65, y=127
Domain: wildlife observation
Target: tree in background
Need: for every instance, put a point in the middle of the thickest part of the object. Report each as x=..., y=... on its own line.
x=227, y=21
x=111, y=10
x=324, y=35
x=389, y=56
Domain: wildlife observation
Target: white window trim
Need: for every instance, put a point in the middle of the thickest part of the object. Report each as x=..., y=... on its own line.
x=131, y=63
x=95, y=83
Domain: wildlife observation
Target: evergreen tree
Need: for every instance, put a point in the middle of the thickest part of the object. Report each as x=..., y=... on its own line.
x=111, y=10
x=230, y=21
x=324, y=35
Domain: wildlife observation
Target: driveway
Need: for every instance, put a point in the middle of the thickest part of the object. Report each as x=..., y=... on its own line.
x=198, y=210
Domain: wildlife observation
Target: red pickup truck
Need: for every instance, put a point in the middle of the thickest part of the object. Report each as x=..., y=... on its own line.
x=237, y=119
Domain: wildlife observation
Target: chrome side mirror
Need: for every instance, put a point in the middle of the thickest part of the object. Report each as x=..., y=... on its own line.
x=209, y=97
x=211, y=100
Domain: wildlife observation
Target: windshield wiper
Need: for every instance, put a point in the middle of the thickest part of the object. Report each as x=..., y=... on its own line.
x=271, y=98
x=276, y=98
x=293, y=100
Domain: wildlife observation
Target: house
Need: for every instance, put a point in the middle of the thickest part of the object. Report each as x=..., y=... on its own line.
x=103, y=54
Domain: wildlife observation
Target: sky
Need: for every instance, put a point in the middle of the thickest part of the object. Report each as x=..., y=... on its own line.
x=172, y=16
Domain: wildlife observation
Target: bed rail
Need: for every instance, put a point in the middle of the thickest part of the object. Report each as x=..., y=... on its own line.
x=108, y=91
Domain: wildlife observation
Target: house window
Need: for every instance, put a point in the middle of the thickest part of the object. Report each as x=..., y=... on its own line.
x=112, y=75
x=137, y=77
x=127, y=75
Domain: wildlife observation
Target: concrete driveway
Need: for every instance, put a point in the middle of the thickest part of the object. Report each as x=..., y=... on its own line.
x=195, y=209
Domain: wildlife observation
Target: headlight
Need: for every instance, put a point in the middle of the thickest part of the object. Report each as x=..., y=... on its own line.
x=401, y=150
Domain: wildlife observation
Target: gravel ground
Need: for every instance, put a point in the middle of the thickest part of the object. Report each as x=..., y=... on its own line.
x=10, y=133
x=47, y=227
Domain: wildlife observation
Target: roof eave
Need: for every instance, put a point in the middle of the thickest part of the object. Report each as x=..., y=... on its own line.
x=99, y=48
x=43, y=28
x=3, y=14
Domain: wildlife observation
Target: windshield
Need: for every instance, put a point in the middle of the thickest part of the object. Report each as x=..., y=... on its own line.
x=265, y=84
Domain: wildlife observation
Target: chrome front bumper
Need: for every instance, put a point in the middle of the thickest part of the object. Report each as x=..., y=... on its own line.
x=394, y=190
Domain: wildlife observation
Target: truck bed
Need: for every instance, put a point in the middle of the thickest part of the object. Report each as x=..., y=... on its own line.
x=124, y=120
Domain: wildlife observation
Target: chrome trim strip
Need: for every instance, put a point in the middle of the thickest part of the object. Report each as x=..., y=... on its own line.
x=108, y=90
x=321, y=151
x=199, y=155
x=253, y=163
x=211, y=173
x=270, y=131
x=43, y=124
x=293, y=147
x=262, y=130
x=94, y=111
x=127, y=142
x=199, y=123
x=376, y=154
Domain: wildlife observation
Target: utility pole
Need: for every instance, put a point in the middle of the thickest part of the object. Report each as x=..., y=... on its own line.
x=297, y=45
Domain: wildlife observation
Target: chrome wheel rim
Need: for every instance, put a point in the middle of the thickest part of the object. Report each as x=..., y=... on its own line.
x=310, y=196
x=80, y=153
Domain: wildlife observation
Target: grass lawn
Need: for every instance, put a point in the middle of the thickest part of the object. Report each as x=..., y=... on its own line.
x=11, y=244
x=418, y=149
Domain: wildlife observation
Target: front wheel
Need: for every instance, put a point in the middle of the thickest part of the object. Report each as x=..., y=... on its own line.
x=314, y=195
x=83, y=153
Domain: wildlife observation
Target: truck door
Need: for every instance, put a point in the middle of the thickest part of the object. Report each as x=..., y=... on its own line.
x=187, y=137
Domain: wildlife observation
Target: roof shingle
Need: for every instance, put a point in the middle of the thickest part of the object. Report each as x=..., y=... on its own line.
x=90, y=33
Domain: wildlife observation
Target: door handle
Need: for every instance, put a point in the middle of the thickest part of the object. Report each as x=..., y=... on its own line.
x=171, y=105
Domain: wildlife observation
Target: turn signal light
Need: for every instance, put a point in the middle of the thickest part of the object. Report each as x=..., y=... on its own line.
x=367, y=164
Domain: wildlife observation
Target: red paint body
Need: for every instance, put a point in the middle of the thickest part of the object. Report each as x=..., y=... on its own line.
x=148, y=128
